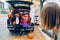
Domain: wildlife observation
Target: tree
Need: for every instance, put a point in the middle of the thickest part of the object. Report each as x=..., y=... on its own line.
x=41, y=2
x=10, y=7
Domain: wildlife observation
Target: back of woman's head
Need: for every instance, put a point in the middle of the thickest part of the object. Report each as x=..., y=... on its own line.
x=50, y=15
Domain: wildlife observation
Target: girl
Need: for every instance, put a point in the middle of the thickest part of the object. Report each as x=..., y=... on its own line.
x=50, y=19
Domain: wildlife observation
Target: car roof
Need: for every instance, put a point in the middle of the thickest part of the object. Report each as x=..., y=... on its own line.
x=19, y=2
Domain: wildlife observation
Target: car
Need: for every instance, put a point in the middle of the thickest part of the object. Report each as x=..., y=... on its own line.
x=36, y=20
x=19, y=20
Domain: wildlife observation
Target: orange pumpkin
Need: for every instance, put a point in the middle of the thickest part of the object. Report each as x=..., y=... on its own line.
x=30, y=35
x=14, y=23
x=10, y=15
x=23, y=17
x=17, y=15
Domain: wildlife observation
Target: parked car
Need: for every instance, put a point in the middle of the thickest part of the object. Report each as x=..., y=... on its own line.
x=36, y=20
x=19, y=20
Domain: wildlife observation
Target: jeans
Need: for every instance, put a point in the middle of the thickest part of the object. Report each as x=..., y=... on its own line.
x=17, y=28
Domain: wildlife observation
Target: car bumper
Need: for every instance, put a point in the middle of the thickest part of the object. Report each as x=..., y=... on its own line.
x=22, y=29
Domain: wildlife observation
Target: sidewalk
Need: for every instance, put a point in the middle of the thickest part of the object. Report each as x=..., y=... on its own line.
x=45, y=35
x=3, y=15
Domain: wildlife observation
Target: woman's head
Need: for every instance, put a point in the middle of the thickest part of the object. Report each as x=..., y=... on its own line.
x=50, y=15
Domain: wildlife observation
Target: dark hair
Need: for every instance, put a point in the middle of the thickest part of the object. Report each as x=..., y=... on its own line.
x=50, y=16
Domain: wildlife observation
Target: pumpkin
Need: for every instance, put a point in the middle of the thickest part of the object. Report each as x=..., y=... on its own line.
x=30, y=35
x=17, y=15
x=10, y=15
x=23, y=17
x=14, y=23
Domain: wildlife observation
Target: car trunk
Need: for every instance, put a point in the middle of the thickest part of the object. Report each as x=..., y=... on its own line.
x=21, y=6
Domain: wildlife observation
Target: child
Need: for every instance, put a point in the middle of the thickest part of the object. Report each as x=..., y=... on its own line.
x=50, y=17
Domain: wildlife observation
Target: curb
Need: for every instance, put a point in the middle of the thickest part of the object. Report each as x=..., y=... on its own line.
x=45, y=36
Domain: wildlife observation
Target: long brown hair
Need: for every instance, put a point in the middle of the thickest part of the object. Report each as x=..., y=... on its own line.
x=50, y=16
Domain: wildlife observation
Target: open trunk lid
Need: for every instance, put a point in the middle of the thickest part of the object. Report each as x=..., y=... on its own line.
x=20, y=4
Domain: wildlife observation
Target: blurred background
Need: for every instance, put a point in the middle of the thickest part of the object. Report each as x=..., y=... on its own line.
x=5, y=7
